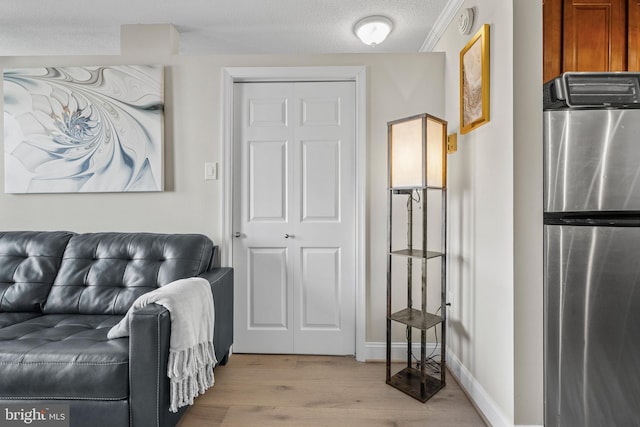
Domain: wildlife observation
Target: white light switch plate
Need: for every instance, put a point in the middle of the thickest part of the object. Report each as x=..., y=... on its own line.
x=210, y=171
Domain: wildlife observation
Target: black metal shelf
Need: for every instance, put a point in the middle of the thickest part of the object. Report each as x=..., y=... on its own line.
x=417, y=318
x=417, y=253
x=411, y=382
x=405, y=190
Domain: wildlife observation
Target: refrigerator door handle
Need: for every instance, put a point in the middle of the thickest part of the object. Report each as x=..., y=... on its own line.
x=594, y=219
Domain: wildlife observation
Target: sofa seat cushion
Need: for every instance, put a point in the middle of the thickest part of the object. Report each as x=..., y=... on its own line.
x=63, y=357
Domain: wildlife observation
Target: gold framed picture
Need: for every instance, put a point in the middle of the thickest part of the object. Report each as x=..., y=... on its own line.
x=474, y=81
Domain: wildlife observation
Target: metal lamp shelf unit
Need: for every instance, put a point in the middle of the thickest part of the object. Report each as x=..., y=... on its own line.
x=416, y=381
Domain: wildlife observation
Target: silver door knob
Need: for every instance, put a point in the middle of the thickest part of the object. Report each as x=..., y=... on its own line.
x=288, y=236
x=237, y=234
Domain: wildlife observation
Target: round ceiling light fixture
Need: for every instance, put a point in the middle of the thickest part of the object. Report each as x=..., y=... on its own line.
x=373, y=30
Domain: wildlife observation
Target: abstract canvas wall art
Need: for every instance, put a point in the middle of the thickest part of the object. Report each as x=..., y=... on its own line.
x=83, y=129
x=474, y=81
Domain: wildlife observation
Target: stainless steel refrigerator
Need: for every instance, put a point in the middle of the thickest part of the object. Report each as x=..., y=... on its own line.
x=592, y=250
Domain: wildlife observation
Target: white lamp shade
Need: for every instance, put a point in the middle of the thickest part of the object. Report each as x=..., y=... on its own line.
x=436, y=154
x=406, y=154
x=417, y=152
x=373, y=30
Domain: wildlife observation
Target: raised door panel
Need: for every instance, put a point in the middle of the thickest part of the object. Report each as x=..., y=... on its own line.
x=267, y=303
x=268, y=112
x=552, y=38
x=633, y=17
x=268, y=194
x=320, y=111
x=320, y=306
x=595, y=35
x=320, y=181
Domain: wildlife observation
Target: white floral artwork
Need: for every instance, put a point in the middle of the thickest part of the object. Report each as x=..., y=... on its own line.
x=83, y=129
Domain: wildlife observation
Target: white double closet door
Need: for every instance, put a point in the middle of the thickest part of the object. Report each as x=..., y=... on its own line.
x=294, y=217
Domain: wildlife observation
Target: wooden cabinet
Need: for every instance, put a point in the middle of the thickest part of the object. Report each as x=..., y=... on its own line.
x=590, y=35
x=594, y=35
x=633, y=42
x=552, y=38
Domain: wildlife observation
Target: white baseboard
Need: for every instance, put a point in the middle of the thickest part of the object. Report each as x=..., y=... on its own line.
x=481, y=399
x=376, y=351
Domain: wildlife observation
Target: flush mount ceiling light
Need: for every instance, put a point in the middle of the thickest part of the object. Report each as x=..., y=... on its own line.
x=373, y=30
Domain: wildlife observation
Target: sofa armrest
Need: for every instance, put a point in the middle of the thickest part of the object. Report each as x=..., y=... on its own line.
x=221, y=280
x=149, y=339
x=148, y=356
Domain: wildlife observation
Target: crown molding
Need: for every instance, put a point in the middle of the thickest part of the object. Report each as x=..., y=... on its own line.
x=448, y=14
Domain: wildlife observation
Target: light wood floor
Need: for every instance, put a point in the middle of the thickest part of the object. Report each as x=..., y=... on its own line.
x=286, y=390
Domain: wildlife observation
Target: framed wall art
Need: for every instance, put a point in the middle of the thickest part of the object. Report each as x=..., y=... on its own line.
x=474, y=81
x=84, y=129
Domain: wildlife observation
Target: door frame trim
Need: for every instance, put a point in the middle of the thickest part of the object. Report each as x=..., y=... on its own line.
x=357, y=74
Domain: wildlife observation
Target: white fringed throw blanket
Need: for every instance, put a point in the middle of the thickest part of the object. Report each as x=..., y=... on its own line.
x=191, y=353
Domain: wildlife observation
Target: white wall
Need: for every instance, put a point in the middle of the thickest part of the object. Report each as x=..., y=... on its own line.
x=397, y=86
x=495, y=187
x=528, y=262
x=481, y=215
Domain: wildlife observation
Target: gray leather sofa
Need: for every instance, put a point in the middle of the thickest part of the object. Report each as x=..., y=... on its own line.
x=61, y=292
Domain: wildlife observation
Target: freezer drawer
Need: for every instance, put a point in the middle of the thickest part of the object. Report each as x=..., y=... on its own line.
x=592, y=326
x=592, y=160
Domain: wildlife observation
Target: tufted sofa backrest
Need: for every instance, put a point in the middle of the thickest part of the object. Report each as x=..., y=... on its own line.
x=29, y=262
x=103, y=273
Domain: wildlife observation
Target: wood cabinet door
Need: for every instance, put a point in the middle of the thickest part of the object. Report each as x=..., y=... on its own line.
x=595, y=35
x=633, y=14
x=552, y=39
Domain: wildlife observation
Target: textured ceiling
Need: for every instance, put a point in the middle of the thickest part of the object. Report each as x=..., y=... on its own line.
x=92, y=27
